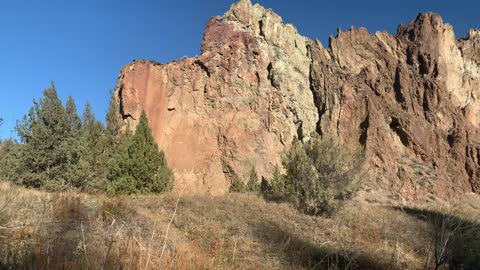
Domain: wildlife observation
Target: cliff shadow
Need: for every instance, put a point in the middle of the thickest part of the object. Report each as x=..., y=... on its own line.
x=454, y=241
x=298, y=253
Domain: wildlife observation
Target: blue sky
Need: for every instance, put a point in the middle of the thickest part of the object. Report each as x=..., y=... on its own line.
x=82, y=45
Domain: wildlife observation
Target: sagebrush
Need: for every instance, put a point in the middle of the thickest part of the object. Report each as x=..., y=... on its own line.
x=319, y=175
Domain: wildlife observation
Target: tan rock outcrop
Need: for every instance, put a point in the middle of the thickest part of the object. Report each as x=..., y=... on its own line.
x=409, y=99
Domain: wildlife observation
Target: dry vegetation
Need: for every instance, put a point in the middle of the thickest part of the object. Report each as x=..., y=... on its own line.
x=237, y=231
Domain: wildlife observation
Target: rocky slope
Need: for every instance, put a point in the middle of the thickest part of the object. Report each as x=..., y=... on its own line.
x=410, y=99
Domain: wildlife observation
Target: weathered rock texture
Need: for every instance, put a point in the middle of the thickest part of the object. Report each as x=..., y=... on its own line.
x=410, y=99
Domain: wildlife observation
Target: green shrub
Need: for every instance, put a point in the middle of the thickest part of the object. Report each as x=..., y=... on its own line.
x=319, y=176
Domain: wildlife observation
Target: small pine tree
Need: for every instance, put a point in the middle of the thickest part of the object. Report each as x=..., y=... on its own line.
x=237, y=185
x=75, y=121
x=91, y=165
x=10, y=156
x=277, y=189
x=114, y=125
x=24, y=128
x=88, y=116
x=139, y=166
x=72, y=147
x=252, y=185
x=112, y=143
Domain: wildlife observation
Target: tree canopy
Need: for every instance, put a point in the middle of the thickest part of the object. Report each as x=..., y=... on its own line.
x=60, y=150
x=139, y=166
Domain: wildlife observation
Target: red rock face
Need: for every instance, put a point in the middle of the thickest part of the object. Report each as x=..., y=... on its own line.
x=409, y=99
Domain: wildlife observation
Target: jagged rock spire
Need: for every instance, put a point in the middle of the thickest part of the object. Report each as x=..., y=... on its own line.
x=410, y=100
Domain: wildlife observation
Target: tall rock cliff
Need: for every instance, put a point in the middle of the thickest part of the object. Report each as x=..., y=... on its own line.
x=409, y=99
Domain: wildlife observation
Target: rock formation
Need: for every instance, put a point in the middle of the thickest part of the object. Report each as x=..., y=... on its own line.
x=409, y=99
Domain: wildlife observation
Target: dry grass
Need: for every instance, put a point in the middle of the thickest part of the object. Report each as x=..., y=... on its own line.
x=237, y=231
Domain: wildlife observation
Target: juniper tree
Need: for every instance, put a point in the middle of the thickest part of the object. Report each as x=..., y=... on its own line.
x=1, y=123
x=50, y=152
x=9, y=160
x=44, y=131
x=92, y=165
x=73, y=118
x=73, y=146
x=88, y=116
x=139, y=166
x=24, y=128
x=237, y=185
x=277, y=189
x=252, y=185
x=114, y=125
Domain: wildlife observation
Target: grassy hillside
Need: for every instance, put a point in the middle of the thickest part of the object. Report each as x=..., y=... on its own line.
x=237, y=231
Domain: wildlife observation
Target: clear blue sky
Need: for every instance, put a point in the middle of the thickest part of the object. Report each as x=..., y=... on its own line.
x=81, y=45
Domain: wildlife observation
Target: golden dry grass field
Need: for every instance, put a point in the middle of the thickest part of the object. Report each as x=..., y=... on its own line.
x=236, y=231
